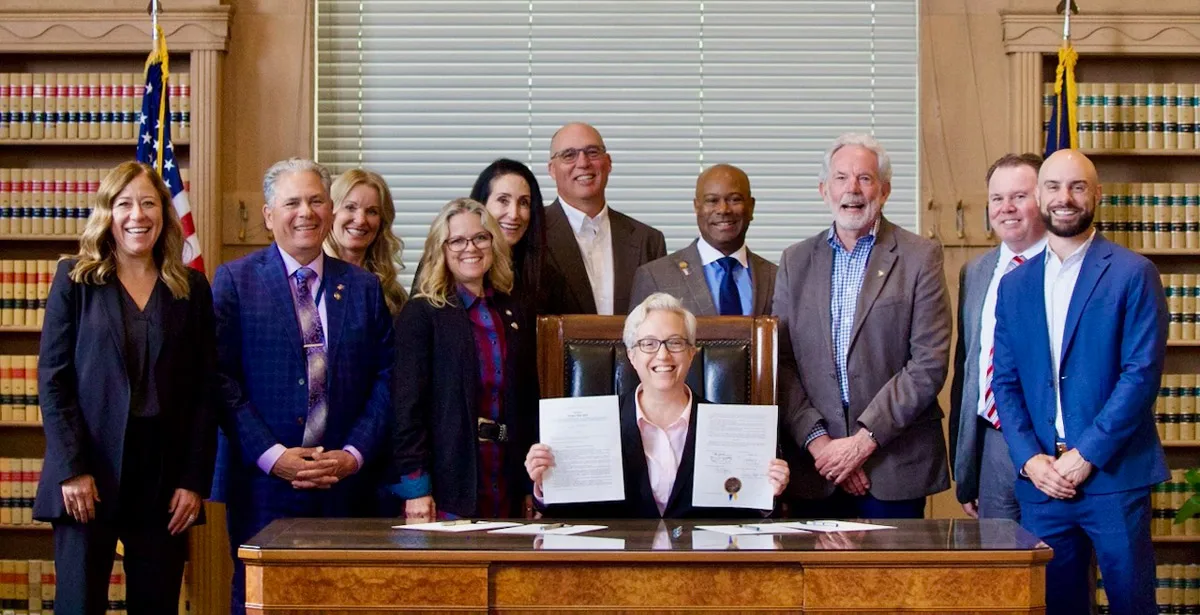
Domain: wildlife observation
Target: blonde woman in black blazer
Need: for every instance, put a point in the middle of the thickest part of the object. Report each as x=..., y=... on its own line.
x=124, y=374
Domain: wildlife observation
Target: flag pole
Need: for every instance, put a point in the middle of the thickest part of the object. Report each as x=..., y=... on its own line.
x=1066, y=7
x=153, y=9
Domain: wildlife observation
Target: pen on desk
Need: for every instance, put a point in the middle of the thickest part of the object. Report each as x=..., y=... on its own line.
x=553, y=526
x=458, y=522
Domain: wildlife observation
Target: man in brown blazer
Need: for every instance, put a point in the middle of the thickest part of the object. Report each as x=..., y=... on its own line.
x=864, y=341
x=592, y=251
x=716, y=275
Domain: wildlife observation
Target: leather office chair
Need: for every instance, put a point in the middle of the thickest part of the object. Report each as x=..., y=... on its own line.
x=582, y=355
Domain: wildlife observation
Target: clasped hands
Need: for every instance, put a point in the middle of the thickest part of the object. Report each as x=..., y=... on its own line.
x=314, y=467
x=840, y=460
x=1058, y=478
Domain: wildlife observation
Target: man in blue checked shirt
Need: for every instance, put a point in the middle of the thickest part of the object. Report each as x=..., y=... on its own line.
x=864, y=333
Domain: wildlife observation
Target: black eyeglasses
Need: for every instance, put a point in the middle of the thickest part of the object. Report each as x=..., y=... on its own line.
x=571, y=154
x=482, y=241
x=650, y=345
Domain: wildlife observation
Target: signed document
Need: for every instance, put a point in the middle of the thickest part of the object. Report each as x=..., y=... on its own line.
x=734, y=448
x=584, y=434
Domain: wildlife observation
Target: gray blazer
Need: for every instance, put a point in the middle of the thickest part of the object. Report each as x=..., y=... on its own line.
x=897, y=362
x=681, y=275
x=565, y=281
x=966, y=440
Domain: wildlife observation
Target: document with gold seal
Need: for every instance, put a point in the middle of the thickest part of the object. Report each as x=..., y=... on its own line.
x=735, y=444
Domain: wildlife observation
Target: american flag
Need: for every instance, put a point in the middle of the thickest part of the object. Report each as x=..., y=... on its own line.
x=155, y=148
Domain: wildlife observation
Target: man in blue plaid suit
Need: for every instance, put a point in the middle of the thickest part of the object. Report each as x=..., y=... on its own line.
x=306, y=352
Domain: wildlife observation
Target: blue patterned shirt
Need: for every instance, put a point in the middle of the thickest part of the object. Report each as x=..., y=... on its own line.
x=849, y=268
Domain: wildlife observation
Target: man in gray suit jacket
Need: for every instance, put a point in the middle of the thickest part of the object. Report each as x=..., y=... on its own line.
x=592, y=251
x=864, y=346
x=983, y=471
x=716, y=275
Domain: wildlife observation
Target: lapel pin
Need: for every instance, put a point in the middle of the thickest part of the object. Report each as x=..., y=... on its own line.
x=514, y=325
x=683, y=266
x=879, y=273
x=508, y=312
x=341, y=287
x=337, y=296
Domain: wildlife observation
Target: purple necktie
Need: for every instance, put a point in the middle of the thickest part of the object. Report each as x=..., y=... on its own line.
x=313, y=335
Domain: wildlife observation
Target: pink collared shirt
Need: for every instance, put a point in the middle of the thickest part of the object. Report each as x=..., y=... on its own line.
x=663, y=449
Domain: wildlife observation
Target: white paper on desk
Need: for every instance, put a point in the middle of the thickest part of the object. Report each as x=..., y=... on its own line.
x=828, y=525
x=714, y=541
x=750, y=529
x=438, y=526
x=584, y=434
x=534, y=529
x=580, y=543
x=734, y=448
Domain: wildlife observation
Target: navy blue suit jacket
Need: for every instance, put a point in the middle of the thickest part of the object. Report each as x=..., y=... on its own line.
x=1113, y=350
x=263, y=371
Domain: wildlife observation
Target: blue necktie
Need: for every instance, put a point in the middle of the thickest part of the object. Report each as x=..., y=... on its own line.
x=731, y=300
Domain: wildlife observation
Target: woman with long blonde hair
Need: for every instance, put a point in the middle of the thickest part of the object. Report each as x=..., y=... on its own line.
x=125, y=373
x=362, y=235
x=466, y=392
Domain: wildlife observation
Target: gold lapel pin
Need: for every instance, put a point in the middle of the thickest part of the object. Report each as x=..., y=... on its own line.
x=879, y=273
x=683, y=266
x=514, y=325
x=508, y=312
x=337, y=296
x=341, y=287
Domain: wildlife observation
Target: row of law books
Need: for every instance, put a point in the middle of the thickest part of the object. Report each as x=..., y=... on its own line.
x=24, y=288
x=1152, y=216
x=19, y=390
x=85, y=106
x=18, y=487
x=1177, y=589
x=27, y=586
x=50, y=201
x=1183, y=305
x=1166, y=499
x=1175, y=411
x=1145, y=116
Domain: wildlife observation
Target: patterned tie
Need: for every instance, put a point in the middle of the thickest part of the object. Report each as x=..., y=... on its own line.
x=989, y=413
x=313, y=335
x=731, y=299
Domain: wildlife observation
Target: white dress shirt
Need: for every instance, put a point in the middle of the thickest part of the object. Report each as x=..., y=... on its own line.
x=1061, y=276
x=987, y=322
x=594, y=236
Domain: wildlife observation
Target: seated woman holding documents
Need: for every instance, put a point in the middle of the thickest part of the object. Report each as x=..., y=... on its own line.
x=466, y=388
x=657, y=429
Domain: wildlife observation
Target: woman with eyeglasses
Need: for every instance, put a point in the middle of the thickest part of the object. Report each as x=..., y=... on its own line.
x=658, y=435
x=466, y=389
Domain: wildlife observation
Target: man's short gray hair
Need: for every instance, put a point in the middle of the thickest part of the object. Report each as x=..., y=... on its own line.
x=292, y=165
x=657, y=301
x=861, y=140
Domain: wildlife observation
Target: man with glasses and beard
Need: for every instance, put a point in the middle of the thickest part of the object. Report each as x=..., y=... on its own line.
x=864, y=347
x=1081, y=333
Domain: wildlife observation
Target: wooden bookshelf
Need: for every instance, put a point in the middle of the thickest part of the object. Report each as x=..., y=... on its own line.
x=1166, y=443
x=25, y=528
x=20, y=329
x=1183, y=343
x=1183, y=539
x=1141, y=152
x=40, y=237
x=131, y=143
x=1168, y=251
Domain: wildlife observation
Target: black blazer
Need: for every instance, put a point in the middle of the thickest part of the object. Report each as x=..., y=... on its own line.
x=84, y=390
x=639, y=498
x=565, y=283
x=435, y=383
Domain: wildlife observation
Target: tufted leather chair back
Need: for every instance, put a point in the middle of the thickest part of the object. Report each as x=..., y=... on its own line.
x=584, y=355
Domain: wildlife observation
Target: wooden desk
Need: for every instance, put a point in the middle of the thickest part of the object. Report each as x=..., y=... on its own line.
x=363, y=566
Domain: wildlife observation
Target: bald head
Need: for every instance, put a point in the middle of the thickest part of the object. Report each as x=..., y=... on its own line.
x=580, y=164
x=1068, y=191
x=724, y=207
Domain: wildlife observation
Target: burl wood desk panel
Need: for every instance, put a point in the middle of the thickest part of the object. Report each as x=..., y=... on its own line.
x=362, y=566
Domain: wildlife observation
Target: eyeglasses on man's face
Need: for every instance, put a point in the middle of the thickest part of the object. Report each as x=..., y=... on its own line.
x=650, y=345
x=571, y=154
x=482, y=241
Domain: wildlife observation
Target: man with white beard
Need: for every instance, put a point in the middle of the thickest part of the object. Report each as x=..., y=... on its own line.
x=864, y=347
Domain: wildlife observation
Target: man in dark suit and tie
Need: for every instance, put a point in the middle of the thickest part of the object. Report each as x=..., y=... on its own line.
x=864, y=346
x=1081, y=335
x=592, y=250
x=717, y=275
x=983, y=471
x=306, y=352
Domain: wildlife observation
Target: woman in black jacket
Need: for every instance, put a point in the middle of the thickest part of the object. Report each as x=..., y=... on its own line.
x=466, y=390
x=127, y=354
